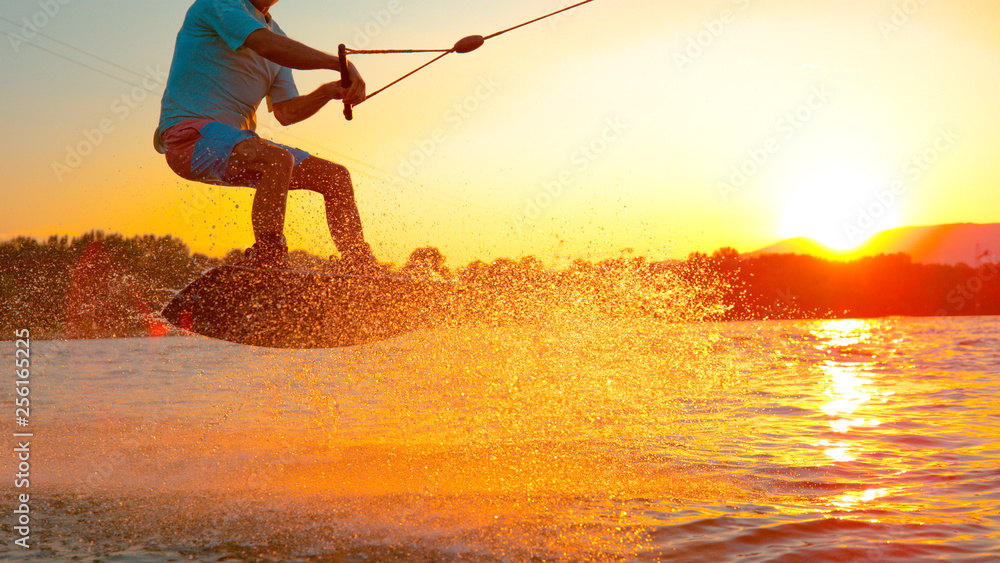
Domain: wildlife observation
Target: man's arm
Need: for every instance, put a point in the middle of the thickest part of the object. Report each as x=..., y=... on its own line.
x=303, y=107
x=289, y=52
x=292, y=54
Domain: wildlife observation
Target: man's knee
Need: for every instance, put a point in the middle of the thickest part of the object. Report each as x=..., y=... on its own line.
x=259, y=154
x=323, y=176
x=331, y=169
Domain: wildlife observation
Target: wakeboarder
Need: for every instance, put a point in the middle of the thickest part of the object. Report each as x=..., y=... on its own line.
x=229, y=56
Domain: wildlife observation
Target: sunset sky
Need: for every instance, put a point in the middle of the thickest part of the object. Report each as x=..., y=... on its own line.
x=666, y=127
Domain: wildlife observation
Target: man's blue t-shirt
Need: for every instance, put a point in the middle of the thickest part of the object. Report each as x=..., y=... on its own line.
x=213, y=76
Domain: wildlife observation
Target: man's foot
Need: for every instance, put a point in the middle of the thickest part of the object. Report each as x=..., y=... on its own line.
x=357, y=261
x=268, y=253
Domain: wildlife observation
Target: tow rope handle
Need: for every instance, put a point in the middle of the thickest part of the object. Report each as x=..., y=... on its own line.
x=345, y=80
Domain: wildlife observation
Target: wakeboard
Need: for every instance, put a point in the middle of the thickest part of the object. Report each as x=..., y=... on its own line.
x=306, y=309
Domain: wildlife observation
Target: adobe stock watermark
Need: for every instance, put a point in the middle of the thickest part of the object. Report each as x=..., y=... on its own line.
x=32, y=25
x=454, y=117
x=193, y=208
x=913, y=170
x=579, y=162
x=121, y=108
x=109, y=461
x=381, y=19
x=105, y=462
x=785, y=129
x=965, y=293
x=699, y=43
x=559, y=19
x=902, y=14
x=785, y=301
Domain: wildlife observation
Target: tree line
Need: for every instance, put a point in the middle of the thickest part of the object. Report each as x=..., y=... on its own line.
x=797, y=286
x=105, y=285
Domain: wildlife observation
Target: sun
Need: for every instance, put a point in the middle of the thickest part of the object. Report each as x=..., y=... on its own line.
x=838, y=205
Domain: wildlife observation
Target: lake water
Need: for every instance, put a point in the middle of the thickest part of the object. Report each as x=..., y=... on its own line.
x=561, y=439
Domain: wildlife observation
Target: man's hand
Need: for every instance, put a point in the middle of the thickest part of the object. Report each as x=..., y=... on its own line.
x=353, y=95
x=356, y=93
x=303, y=107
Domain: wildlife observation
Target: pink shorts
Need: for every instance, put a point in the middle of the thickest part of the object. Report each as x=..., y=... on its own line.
x=199, y=150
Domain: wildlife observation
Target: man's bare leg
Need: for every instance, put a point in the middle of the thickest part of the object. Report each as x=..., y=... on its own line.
x=271, y=167
x=333, y=182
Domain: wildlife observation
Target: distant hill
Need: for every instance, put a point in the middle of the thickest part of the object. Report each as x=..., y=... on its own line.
x=966, y=243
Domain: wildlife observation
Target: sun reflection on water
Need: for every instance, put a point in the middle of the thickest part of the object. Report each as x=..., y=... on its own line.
x=853, y=499
x=843, y=332
x=848, y=393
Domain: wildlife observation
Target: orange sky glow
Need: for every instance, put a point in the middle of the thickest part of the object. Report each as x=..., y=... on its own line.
x=665, y=127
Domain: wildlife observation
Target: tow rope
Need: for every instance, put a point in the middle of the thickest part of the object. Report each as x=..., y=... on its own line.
x=464, y=45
